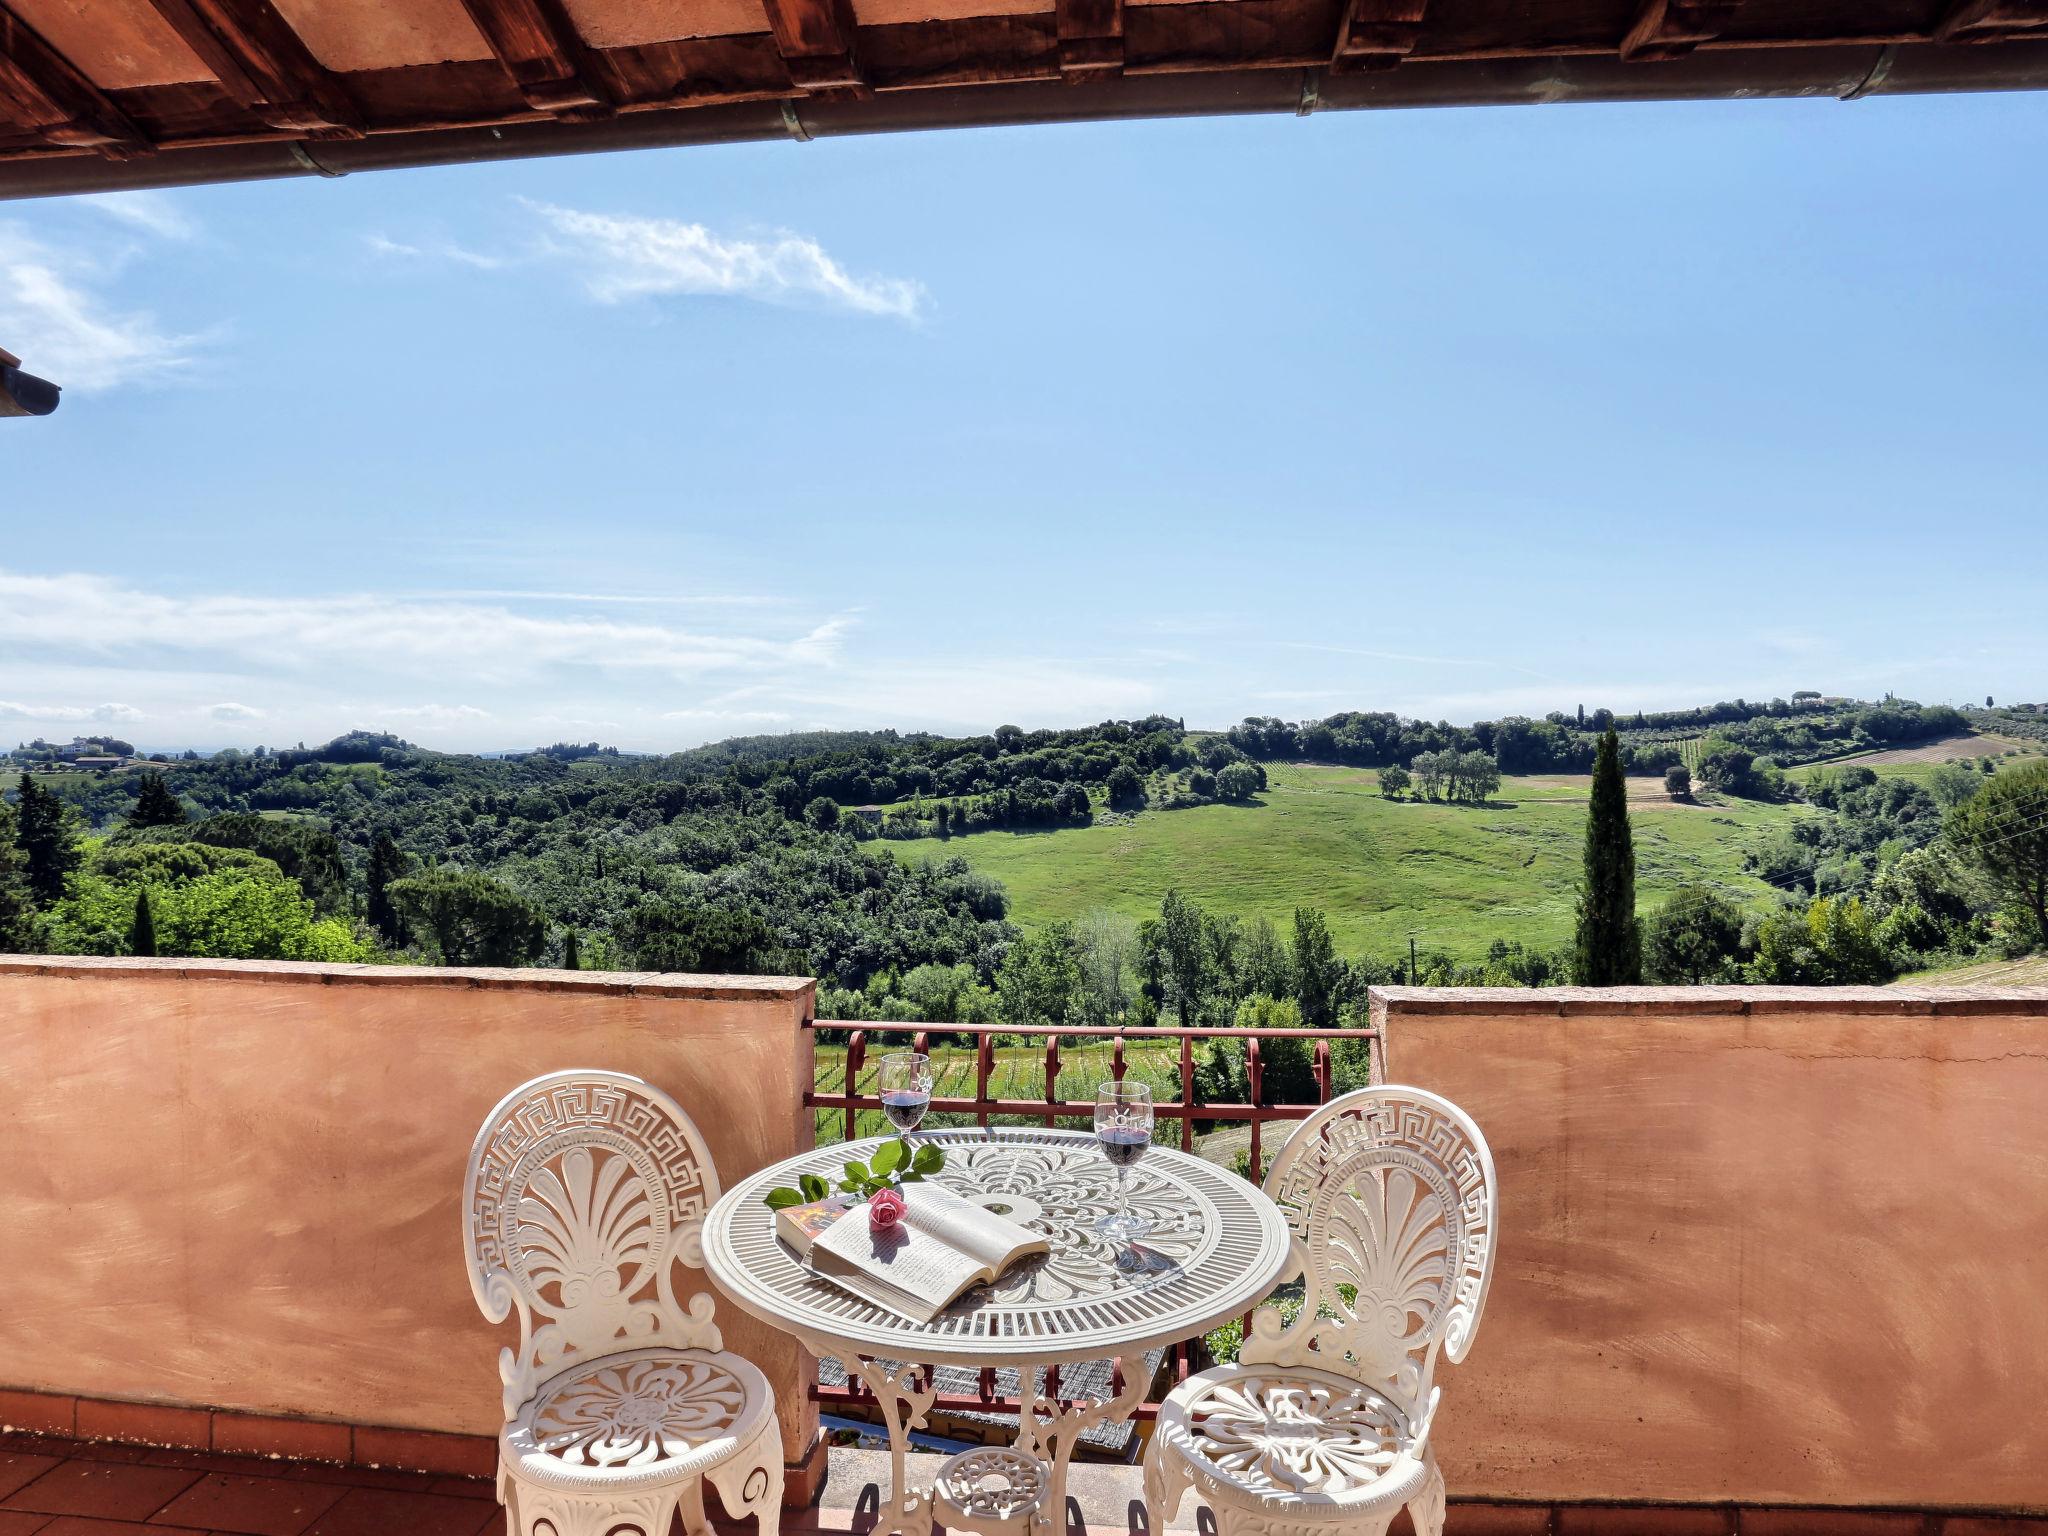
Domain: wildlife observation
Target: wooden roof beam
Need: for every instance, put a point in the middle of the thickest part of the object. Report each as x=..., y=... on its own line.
x=816, y=41
x=1670, y=29
x=1091, y=34
x=1992, y=21
x=1377, y=34
x=23, y=394
x=56, y=101
x=262, y=63
x=545, y=55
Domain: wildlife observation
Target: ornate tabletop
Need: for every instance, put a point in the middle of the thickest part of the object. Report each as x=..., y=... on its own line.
x=1217, y=1247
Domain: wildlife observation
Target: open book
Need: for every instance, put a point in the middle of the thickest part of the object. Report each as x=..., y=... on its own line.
x=943, y=1246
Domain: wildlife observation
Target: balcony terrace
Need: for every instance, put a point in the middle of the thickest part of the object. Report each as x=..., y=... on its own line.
x=1771, y=1260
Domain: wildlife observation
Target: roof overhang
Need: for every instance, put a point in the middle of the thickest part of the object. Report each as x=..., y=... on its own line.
x=23, y=394
x=136, y=93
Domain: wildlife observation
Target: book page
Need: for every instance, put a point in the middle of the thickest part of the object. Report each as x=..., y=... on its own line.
x=918, y=1263
x=992, y=1242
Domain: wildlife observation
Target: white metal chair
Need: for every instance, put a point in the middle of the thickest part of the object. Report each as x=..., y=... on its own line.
x=1324, y=1422
x=585, y=1191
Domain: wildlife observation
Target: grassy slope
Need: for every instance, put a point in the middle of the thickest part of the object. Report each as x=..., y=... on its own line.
x=1323, y=836
x=1919, y=764
x=2028, y=971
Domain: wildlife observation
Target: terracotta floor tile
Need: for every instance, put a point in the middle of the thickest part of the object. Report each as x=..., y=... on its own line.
x=39, y=1444
x=115, y=1450
x=364, y=1477
x=388, y=1512
x=215, y=1461
x=465, y=1487
x=16, y=1522
x=79, y=1525
x=18, y=1470
x=104, y=1490
x=260, y=1506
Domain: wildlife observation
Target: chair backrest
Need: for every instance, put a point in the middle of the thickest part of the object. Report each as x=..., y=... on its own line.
x=585, y=1190
x=1389, y=1192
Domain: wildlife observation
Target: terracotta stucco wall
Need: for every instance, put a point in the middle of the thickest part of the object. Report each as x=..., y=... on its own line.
x=1758, y=1245
x=238, y=1185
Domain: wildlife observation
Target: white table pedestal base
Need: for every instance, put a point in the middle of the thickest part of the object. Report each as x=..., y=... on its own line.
x=1047, y=1433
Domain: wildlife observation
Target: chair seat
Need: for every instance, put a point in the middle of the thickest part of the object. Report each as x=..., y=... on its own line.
x=1291, y=1439
x=637, y=1419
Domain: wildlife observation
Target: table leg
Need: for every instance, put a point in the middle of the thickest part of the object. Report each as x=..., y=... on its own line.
x=907, y=1511
x=1050, y=1430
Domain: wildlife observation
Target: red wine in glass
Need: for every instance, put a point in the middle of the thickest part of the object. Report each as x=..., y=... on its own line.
x=1122, y=1145
x=905, y=1108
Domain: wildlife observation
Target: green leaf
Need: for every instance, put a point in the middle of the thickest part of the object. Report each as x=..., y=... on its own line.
x=874, y=1187
x=856, y=1170
x=929, y=1159
x=814, y=1187
x=888, y=1157
x=912, y=1177
x=783, y=1196
x=849, y=1186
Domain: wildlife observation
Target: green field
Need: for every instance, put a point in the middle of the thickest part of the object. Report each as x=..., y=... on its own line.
x=1456, y=877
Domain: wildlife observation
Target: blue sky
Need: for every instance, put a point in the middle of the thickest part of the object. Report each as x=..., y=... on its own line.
x=1458, y=413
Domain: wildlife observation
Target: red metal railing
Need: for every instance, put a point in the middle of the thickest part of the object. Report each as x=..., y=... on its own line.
x=1051, y=1108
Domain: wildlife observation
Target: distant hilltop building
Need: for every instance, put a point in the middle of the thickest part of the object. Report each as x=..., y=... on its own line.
x=98, y=753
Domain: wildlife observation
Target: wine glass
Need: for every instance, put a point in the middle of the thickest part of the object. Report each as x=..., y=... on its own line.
x=1123, y=1127
x=906, y=1082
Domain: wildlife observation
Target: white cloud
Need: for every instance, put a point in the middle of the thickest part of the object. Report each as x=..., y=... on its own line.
x=107, y=619
x=235, y=712
x=748, y=716
x=440, y=713
x=63, y=330
x=977, y=694
x=439, y=250
x=153, y=213
x=623, y=257
x=70, y=713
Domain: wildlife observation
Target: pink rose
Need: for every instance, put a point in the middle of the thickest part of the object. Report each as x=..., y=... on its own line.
x=885, y=1209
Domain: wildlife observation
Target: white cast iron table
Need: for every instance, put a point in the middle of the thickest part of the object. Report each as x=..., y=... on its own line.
x=1217, y=1247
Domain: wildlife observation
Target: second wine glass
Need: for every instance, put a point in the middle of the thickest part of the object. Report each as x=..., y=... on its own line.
x=1123, y=1126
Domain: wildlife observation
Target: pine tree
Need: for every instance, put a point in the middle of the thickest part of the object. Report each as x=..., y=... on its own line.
x=45, y=835
x=142, y=932
x=16, y=904
x=1607, y=950
x=572, y=953
x=156, y=806
x=387, y=863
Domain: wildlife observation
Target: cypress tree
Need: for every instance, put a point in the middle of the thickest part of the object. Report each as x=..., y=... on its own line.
x=1607, y=950
x=156, y=806
x=142, y=932
x=387, y=863
x=572, y=954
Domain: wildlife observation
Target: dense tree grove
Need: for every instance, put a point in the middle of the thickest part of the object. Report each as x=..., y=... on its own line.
x=1800, y=731
x=748, y=856
x=2004, y=828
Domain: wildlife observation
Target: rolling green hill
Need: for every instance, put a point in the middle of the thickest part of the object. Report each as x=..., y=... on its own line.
x=1458, y=877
